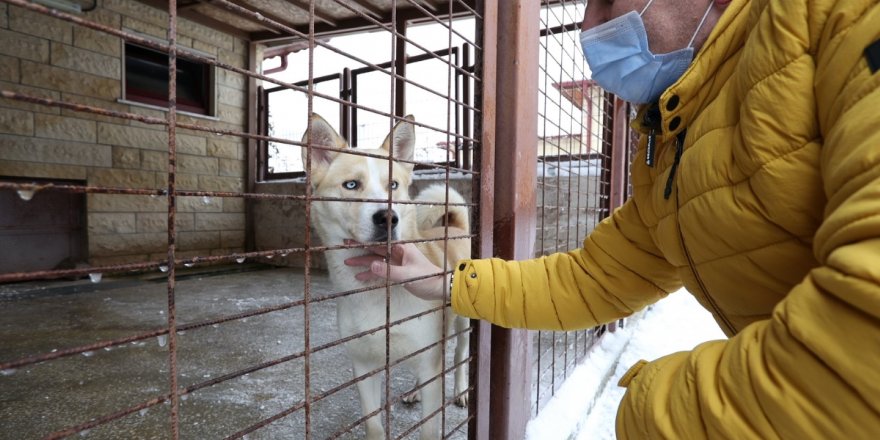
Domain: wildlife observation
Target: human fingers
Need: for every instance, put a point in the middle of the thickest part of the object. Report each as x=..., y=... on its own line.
x=381, y=250
x=366, y=276
x=407, y=255
x=362, y=260
x=382, y=269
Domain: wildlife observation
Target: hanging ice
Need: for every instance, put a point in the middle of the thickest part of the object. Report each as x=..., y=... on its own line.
x=26, y=194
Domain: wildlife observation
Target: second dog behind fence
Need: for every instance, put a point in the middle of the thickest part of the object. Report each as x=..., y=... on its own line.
x=339, y=180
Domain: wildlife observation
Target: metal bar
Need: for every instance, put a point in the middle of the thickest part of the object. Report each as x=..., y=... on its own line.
x=309, y=8
x=407, y=17
x=259, y=22
x=345, y=109
x=254, y=141
x=516, y=131
x=217, y=131
x=30, y=187
x=457, y=110
x=484, y=156
x=202, y=19
x=542, y=216
x=619, y=148
x=172, y=211
x=163, y=266
x=400, y=62
x=368, y=7
x=395, y=109
x=257, y=117
x=307, y=269
x=437, y=54
x=467, y=146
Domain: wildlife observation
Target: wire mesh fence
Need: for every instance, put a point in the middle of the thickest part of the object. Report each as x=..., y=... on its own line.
x=191, y=300
x=575, y=130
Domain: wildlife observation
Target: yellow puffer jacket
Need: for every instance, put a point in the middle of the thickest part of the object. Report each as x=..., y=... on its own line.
x=772, y=222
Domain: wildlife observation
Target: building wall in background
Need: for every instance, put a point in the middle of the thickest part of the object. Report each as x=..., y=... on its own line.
x=50, y=58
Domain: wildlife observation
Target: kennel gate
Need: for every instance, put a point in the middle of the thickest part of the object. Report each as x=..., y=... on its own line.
x=480, y=138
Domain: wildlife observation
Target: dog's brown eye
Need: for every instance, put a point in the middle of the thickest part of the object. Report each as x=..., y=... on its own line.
x=394, y=185
x=351, y=184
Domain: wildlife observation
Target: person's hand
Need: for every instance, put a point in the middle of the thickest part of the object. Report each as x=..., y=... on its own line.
x=405, y=262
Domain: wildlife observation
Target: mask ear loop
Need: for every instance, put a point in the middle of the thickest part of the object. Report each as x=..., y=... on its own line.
x=645, y=8
x=699, y=26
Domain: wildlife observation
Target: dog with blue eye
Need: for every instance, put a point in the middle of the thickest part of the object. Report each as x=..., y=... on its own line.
x=352, y=192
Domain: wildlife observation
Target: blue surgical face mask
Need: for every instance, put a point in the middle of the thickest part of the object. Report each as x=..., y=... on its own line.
x=618, y=54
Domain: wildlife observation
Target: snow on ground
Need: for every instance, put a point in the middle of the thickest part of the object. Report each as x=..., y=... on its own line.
x=674, y=324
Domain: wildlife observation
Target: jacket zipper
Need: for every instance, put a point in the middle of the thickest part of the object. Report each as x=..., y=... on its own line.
x=693, y=267
x=652, y=119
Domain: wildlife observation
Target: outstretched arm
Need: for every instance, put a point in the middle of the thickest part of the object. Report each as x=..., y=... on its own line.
x=617, y=272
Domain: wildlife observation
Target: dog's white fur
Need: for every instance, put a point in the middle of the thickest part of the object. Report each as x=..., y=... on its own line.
x=338, y=175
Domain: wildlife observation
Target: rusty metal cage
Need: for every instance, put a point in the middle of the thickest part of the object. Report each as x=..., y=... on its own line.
x=574, y=163
x=206, y=311
x=161, y=274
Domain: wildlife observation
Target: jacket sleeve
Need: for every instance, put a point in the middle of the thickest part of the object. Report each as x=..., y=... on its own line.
x=617, y=272
x=813, y=369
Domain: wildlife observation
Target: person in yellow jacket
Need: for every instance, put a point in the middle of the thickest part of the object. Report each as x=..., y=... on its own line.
x=756, y=187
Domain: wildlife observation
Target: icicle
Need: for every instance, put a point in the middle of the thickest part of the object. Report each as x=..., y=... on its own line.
x=26, y=194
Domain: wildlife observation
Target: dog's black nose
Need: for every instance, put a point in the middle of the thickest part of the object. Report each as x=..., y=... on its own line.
x=381, y=218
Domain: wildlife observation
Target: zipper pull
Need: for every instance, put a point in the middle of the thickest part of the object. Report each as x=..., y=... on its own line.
x=679, y=148
x=649, y=149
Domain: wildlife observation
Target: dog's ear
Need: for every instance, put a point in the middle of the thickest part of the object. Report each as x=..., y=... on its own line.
x=321, y=134
x=403, y=139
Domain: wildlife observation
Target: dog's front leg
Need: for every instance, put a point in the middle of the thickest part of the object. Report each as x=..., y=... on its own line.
x=431, y=394
x=370, y=392
x=462, y=349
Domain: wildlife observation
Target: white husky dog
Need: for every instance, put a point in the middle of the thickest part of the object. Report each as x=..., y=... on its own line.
x=346, y=176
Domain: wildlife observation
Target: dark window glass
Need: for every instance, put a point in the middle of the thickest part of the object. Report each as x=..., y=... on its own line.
x=146, y=80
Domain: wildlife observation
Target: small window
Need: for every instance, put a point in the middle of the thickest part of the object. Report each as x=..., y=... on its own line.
x=146, y=80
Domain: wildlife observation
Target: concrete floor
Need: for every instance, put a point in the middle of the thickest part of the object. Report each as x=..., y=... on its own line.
x=39, y=317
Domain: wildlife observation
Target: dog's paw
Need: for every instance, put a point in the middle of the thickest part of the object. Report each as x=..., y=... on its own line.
x=412, y=397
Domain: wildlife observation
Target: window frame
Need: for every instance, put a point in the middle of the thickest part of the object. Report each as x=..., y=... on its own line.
x=207, y=108
x=348, y=117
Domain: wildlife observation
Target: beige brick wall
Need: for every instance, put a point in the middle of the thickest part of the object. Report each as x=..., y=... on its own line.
x=46, y=57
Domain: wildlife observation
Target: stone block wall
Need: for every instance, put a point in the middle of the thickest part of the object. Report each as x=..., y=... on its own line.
x=46, y=57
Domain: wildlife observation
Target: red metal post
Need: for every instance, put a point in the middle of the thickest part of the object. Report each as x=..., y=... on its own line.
x=619, y=151
x=516, y=141
x=619, y=143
